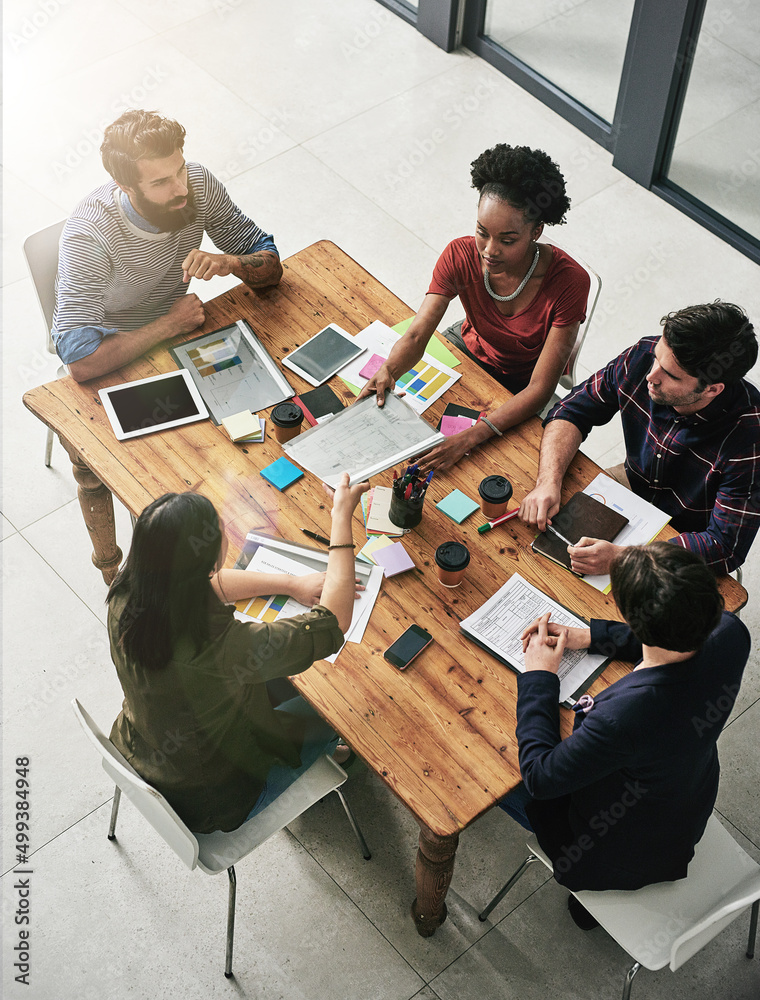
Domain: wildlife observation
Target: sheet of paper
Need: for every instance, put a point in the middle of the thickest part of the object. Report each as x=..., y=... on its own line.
x=435, y=348
x=644, y=519
x=423, y=384
x=277, y=555
x=363, y=440
x=499, y=623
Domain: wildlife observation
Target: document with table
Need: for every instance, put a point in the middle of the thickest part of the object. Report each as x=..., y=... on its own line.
x=499, y=623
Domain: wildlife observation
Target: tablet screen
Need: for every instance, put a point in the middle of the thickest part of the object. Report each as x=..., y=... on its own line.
x=325, y=354
x=153, y=403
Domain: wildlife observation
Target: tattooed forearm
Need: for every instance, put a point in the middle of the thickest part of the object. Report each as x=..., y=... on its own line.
x=258, y=269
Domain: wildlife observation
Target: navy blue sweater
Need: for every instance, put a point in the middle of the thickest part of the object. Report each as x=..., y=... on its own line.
x=622, y=801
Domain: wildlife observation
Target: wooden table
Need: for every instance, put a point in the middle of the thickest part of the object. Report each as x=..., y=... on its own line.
x=442, y=734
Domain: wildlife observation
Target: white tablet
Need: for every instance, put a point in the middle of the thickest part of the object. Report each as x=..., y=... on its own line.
x=152, y=404
x=323, y=355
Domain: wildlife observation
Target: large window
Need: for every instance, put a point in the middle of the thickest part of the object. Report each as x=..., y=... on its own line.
x=670, y=87
x=716, y=155
x=579, y=45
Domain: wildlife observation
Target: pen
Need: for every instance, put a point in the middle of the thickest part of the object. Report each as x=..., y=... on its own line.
x=499, y=520
x=561, y=537
x=315, y=536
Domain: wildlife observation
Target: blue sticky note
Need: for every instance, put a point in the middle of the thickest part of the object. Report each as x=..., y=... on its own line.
x=457, y=506
x=281, y=473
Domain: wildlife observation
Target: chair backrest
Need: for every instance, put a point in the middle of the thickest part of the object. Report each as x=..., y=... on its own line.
x=143, y=796
x=41, y=254
x=568, y=378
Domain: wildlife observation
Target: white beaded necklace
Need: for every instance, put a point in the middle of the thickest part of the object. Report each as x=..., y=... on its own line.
x=516, y=292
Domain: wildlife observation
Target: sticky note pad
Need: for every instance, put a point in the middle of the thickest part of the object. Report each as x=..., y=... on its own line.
x=367, y=553
x=241, y=425
x=457, y=506
x=393, y=558
x=281, y=473
x=372, y=366
x=453, y=425
x=255, y=438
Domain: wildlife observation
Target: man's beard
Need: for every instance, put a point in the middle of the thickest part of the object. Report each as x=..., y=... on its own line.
x=164, y=217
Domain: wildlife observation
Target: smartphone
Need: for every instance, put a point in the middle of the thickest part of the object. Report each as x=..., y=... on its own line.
x=407, y=646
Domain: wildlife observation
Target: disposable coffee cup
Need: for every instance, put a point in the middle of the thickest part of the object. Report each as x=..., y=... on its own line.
x=286, y=419
x=495, y=492
x=451, y=560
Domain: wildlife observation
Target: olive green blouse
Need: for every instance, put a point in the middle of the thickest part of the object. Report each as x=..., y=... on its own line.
x=202, y=730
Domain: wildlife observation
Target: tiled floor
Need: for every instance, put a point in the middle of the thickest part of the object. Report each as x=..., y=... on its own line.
x=327, y=118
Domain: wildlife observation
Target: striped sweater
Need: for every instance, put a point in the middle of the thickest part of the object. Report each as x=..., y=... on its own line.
x=113, y=275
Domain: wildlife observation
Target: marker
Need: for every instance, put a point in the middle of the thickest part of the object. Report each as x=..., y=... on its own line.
x=499, y=520
x=315, y=536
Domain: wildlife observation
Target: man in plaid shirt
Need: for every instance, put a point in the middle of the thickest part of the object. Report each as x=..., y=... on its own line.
x=691, y=425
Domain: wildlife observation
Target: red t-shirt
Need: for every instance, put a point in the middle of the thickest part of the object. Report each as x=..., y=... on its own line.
x=510, y=343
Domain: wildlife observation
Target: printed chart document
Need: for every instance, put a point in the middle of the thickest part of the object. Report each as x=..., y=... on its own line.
x=363, y=439
x=499, y=623
x=644, y=519
x=423, y=384
x=266, y=554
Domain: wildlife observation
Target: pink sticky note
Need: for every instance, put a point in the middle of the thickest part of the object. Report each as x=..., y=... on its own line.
x=372, y=366
x=453, y=425
x=393, y=558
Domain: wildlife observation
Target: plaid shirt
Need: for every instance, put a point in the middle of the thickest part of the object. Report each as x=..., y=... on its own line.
x=703, y=469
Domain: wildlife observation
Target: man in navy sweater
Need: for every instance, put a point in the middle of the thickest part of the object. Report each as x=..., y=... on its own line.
x=621, y=802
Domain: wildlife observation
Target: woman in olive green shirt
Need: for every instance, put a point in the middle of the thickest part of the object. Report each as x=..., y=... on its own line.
x=197, y=720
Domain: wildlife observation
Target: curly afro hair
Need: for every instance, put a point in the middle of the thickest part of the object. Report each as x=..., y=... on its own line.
x=528, y=179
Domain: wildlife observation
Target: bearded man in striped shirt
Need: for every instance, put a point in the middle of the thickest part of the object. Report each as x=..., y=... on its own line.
x=131, y=246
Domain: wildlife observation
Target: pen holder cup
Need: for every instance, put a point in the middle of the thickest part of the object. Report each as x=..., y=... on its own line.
x=405, y=513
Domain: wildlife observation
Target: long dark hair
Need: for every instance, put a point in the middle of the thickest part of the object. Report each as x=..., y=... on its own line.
x=175, y=547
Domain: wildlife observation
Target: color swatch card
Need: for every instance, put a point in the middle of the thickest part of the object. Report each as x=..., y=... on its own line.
x=457, y=506
x=269, y=609
x=281, y=473
x=393, y=558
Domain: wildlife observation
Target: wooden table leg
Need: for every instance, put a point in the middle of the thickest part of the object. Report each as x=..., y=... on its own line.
x=97, y=510
x=435, y=866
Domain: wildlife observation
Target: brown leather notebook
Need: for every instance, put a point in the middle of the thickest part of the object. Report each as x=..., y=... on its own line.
x=581, y=515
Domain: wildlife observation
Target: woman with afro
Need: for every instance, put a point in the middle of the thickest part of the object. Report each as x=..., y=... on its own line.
x=523, y=300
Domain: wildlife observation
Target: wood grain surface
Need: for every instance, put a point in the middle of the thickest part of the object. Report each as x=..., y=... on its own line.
x=441, y=734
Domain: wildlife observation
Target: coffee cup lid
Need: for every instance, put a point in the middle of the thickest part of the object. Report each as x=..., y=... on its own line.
x=495, y=489
x=452, y=556
x=287, y=415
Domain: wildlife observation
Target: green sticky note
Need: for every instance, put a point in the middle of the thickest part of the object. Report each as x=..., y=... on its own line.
x=457, y=506
x=434, y=347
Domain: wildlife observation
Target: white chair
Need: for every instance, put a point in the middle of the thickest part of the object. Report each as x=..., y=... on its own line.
x=41, y=255
x=568, y=377
x=216, y=852
x=670, y=921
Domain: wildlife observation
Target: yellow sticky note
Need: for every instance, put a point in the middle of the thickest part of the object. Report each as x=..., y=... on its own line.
x=240, y=425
